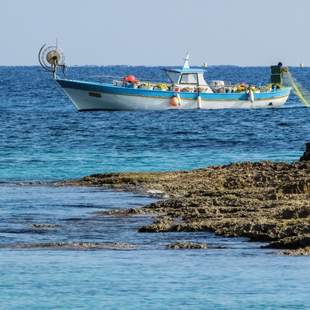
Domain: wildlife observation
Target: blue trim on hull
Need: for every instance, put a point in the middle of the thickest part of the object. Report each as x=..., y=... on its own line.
x=111, y=89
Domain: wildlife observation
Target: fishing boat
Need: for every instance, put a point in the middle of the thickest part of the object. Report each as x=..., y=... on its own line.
x=187, y=89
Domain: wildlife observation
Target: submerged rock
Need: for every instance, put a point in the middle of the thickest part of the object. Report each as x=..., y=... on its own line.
x=122, y=212
x=44, y=226
x=187, y=245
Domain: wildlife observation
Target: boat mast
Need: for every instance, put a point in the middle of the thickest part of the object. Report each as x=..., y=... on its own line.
x=186, y=61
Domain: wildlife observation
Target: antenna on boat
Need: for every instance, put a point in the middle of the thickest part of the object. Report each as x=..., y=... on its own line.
x=51, y=57
x=186, y=61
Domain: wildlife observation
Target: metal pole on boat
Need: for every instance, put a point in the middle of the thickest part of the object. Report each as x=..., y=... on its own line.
x=54, y=70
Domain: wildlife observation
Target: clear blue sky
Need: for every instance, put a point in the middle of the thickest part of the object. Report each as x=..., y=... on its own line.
x=136, y=32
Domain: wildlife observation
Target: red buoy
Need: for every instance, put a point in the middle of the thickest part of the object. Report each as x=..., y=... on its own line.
x=130, y=79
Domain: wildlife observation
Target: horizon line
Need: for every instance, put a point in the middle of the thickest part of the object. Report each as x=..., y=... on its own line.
x=152, y=66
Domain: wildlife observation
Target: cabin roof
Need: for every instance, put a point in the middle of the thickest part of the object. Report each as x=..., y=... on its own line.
x=185, y=70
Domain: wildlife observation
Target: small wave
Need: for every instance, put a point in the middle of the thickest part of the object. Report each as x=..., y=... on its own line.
x=22, y=231
x=27, y=183
x=73, y=219
x=71, y=246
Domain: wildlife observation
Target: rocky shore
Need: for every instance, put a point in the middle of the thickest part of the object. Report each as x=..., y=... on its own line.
x=264, y=201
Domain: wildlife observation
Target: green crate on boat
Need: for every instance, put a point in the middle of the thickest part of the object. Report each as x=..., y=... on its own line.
x=276, y=75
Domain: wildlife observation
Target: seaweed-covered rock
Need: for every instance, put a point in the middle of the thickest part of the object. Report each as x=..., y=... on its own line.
x=294, y=242
x=162, y=224
x=264, y=201
x=297, y=252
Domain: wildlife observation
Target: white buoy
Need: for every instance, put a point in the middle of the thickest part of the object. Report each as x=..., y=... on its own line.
x=251, y=95
x=198, y=102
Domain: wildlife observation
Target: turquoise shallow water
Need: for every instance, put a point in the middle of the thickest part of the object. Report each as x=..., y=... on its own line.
x=231, y=274
x=43, y=139
x=154, y=279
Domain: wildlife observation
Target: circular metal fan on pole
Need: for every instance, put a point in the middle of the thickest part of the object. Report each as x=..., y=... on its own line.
x=50, y=58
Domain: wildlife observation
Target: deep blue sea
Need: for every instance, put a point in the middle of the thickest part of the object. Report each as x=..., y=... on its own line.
x=43, y=139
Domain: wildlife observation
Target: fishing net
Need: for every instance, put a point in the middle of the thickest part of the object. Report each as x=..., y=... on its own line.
x=302, y=93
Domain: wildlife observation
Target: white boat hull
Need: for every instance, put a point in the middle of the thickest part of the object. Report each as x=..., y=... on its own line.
x=89, y=96
x=84, y=102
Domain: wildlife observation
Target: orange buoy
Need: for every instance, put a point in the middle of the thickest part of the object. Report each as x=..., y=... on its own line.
x=174, y=102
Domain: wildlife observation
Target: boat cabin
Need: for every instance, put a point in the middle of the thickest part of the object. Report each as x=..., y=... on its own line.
x=187, y=77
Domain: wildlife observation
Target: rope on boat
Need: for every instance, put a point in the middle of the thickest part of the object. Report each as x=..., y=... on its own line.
x=301, y=93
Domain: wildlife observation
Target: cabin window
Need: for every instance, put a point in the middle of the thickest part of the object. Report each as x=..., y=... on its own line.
x=173, y=76
x=189, y=78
